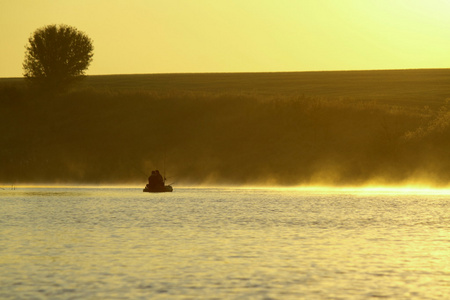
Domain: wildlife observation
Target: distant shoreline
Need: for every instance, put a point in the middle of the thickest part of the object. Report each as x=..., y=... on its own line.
x=269, y=72
x=337, y=128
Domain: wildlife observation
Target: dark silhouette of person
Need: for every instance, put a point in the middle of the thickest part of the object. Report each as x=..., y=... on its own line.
x=155, y=180
x=159, y=179
x=152, y=179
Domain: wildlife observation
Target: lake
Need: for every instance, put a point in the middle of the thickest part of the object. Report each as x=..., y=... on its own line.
x=223, y=243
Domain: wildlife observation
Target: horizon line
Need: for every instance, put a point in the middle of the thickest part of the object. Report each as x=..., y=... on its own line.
x=254, y=72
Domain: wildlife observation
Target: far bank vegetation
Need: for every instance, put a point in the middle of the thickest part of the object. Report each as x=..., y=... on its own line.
x=217, y=132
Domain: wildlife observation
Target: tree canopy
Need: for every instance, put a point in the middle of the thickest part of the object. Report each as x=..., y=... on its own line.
x=56, y=56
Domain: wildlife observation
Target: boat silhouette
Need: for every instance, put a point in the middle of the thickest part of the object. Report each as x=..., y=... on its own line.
x=158, y=189
x=157, y=184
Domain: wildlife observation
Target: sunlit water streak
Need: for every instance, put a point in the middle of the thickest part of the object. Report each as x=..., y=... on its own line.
x=104, y=243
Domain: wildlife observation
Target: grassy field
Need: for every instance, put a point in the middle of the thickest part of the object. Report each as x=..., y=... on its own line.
x=395, y=87
x=330, y=128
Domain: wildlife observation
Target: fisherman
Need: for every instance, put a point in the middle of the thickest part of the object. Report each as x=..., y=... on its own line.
x=155, y=180
x=159, y=179
x=152, y=179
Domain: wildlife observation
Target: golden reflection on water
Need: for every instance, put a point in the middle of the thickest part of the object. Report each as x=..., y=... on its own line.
x=375, y=189
x=401, y=190
x=227, y=243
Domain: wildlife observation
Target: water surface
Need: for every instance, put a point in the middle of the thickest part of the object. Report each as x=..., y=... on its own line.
x=120, y=243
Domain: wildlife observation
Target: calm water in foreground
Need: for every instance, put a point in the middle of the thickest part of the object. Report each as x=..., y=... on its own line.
x=111, y=243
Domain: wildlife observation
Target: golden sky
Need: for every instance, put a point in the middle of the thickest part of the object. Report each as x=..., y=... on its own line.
x=178, y=36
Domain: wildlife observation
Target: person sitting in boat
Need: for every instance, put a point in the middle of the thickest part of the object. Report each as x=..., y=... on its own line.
x=151, y=179
x=155, y=180
x=159, y=178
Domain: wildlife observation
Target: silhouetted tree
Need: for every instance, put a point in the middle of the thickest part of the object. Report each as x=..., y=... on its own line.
x=56, y=56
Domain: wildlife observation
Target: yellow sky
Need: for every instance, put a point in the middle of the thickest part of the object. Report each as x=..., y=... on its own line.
x=172, y=36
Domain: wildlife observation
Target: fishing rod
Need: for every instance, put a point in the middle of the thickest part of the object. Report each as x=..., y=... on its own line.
x=164, y=165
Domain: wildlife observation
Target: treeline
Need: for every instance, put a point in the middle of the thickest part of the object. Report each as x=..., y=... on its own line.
x=106, y=136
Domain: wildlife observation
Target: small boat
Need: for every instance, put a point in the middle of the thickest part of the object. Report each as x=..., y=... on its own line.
x=157, y=184
x=158, y=189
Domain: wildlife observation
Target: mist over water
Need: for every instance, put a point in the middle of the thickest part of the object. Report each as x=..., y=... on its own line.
x=116, y=243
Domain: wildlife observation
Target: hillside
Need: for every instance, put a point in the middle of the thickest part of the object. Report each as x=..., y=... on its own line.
x=421, y=87
x=334, y=128
x=409, y=87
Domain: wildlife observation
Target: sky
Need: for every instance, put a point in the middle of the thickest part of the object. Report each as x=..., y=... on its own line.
x=192, y=36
